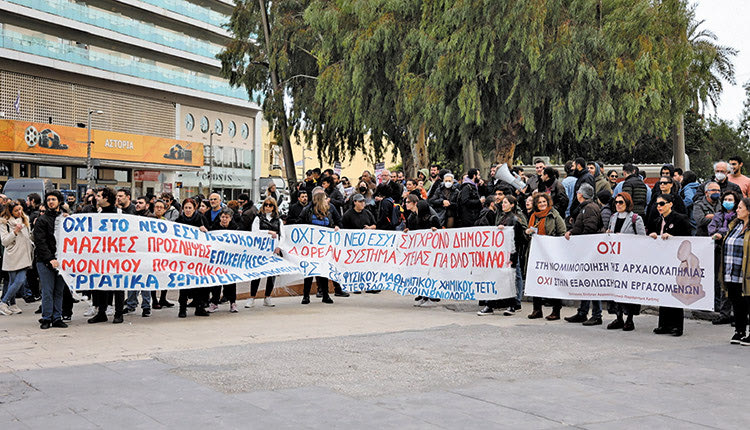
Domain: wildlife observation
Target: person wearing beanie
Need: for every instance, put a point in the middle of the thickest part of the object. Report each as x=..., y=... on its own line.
x=588, y=220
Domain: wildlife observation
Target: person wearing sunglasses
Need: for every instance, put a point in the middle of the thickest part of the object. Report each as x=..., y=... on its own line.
x=666, y=185
x=624, y=221
x=269, y=220
x=667, y=224
x=612, y=177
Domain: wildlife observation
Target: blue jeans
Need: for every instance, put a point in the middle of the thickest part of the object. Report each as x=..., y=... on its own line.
x=596, y=312
x=519, y=284
x=52, y=286
x=16, y=280
x=132, y=301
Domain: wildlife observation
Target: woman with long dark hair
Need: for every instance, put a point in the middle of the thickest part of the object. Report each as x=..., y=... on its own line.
x=319, y=213
x=269, y=220
x=15, y=234
x=191, y=216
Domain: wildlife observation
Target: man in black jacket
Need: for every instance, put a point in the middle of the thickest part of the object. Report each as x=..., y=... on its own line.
x=583, y=176
x=587, y=221
x=638, y=190
x=296, y=208
x=335, y=198
x=358, y=218
x=52, y=284
x=469, y=202
x=124, y=201
x=106, y=199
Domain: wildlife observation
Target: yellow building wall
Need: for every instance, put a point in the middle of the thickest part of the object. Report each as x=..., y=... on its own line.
x=272, y=156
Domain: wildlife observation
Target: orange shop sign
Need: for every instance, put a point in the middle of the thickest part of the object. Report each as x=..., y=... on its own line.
x=50, y=139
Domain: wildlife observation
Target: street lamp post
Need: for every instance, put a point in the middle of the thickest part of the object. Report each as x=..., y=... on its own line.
x=89, y=167
x=211, y=162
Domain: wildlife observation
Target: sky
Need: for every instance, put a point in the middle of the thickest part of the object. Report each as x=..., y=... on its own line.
x=728, y=19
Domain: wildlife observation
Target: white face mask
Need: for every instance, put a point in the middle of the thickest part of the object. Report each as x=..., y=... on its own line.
x=720, y=176
x=448, y=184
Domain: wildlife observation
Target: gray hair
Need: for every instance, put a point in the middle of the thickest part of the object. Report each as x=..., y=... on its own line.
x=729, y=166
x=226, y=210
x=587, y=191
x=449, y=175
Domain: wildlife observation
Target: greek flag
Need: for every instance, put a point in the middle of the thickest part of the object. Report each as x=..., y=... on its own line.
x=17, y=103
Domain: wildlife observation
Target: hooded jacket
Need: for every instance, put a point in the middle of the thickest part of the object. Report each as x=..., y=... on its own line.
x=18, y=247
x=469, y=204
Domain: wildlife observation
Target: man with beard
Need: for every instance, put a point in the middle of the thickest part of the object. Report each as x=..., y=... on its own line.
x=124, y=202
x=582, y=175
x=52, y=284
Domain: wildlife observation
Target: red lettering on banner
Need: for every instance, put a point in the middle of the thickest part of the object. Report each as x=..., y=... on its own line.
x=609, y=248
x=100, y=245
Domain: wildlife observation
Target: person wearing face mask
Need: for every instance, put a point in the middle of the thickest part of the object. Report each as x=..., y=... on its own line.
x=445, y=201
x=705, y=208
x=717, y=229
x=722, y=170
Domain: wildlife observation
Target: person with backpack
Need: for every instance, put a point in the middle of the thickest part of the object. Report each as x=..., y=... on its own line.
x=625, y=221
x=588, y=220
x=388, y=214
x=689, y=194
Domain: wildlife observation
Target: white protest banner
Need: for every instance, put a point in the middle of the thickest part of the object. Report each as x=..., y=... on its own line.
x=459, y=264
x=123, y=252
x=677, y=272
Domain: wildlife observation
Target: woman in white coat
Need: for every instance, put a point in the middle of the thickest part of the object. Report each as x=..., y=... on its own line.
x=15, y=235
x=624, y=221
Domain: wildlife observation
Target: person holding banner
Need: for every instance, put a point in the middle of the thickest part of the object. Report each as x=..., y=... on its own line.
x=50, y=281
x=105, y=199
x=319, y=213
x=444, y=200
x=586, y=220
x=625, y=221
x=734, y=268
x=191, y=216
x=421, y=218
x=226, y=222
x=669, y=223
x=545, y=220
x=268, y=219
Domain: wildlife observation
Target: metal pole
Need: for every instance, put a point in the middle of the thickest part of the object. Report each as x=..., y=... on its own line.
x=211, y=162
x=89, y=167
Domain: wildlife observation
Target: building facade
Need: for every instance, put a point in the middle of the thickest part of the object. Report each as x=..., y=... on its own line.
x=144, y=73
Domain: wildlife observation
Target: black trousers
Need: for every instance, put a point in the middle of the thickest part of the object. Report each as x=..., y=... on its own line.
x=200, y=295
x=67, y=307
x=230, y=293
x=162, y=298
x=321, y=282
x=255, y=283
x=538, y=301
x=740, y=305
x=101, y=300
x=671, y=318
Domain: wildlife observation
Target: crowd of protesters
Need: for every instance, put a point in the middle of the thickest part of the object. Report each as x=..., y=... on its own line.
x=586, y=201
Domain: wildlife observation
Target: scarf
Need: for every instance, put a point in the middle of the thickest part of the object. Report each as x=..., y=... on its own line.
x=540, y=216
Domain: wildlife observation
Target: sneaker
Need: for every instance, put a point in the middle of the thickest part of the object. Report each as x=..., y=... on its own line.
x=110, y=311
x=327, y=300
x=67, y=317
x=117, y=319
x=201, y=312
x=97, y=319
x=233, y=308
x=146, y=313
x=485, y=311
x=182, y=313
x=421, y=302
x=616, y=324
x=212, y=308
x=737, y=338
x=250, y=303
x=745, y=341
x=427, y=303
x=59, y=324
x=577, y=318
x=15, y=309
x=128, y=310
x=5, y=309
x=510, y=311
x=267, y=302
x=341, y=294
x=593, y=321
x=91, y=311
x=44, y=325
x=306, y=300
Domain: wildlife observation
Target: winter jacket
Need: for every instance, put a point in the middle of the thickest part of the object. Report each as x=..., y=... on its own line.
x=584, y=177
x=588, y=220
x=638, y=191
x=628, y=227
x=486, y=217
x=469, y=204
x=171, y=214
x=688, y=195
x=334, y=218
x=720, y=222
x=197, y=220
x=745, y=258
x=19, y=250
x=44, y=237
x=600, y=182
x=700, y=209
x=677, y=205
x=436, y=201
x=676, y=224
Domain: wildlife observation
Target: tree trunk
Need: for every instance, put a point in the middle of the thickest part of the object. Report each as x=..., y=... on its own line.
x=505, y=145
x=407, y=158
x=678, y=143
x=469, y=155
x=282, y=126
x=421, y=158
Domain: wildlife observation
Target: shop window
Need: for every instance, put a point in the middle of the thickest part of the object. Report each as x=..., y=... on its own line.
x=52, y=172
x=6, y=169
x=23, y=170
